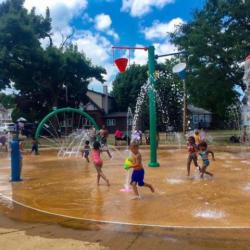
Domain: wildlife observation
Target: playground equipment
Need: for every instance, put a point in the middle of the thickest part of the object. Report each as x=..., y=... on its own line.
x=16, y=161
x=246, y=107
x=121, y=64
x=66, y=130
x=152, y=106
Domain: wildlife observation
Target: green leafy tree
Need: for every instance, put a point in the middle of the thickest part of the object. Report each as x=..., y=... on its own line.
x=41, y=76
x=8, y=101
x=126, y=86
x=59, y=69
x=169, y=93
x=216, y=41
x=20, y=32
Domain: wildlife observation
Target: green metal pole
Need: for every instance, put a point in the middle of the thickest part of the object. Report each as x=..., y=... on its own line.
x=152, y=108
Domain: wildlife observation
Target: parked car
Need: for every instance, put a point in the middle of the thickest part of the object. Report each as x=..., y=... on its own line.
x=7, y=127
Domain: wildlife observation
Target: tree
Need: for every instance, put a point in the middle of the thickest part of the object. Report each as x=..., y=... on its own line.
x=126, y=86
x=8, y=101
x=59, y=69
x=20, y=32
x=169, y=93
x=40, y=75
x=216, y=41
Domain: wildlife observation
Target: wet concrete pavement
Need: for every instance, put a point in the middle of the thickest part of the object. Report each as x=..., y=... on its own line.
x=57, y=191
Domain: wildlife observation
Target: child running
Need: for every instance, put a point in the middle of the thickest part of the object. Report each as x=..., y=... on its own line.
x=192, y=154
x=96, y=157
x=86, y=151
x=204, y=152
x=138, y=172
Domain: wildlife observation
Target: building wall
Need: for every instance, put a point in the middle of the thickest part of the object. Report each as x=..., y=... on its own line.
x=5, y=115
x=120, y=123
x=97, y=116
x=201, y=120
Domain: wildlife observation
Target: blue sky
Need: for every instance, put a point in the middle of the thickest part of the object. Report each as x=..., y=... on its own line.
x=99, y=24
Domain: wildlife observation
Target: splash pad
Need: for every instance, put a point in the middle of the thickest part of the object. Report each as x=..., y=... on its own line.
x=67, y=188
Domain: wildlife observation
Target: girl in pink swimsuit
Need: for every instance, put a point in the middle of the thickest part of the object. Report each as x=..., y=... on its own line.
x=97, y=160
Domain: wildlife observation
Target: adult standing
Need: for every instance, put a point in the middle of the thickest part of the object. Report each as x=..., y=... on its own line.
x=118, y=136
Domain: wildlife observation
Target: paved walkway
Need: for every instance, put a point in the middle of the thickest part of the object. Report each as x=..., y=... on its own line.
x=47, y=236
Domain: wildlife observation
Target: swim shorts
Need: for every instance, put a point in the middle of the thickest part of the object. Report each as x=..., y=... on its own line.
x=138, y=177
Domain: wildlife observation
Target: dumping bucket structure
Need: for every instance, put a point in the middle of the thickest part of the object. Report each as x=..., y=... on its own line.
x=121, y=64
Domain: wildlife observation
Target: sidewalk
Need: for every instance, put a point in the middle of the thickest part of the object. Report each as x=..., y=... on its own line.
x=36, y=236
x=27, y=236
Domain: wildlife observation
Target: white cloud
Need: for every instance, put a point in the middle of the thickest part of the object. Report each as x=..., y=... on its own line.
x=62, y=11
x=141, y=56
x=96, y=47
x=109, y=77
x=138, y=8
x=164, y=48
x=160, y=30
x=102, y=22
x=112, y=33
x=87, y=18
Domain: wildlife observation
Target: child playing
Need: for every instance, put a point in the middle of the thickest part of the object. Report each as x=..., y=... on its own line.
x=34, y=147
x=86, y=151
x=138, y=172
x=96, y=157
x=204, y=152
x=192, y=154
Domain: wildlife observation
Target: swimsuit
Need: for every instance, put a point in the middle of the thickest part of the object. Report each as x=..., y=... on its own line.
x=86, y=151
x=96, y=157
x=192, y=152
x=204, y=157
x=138, y=177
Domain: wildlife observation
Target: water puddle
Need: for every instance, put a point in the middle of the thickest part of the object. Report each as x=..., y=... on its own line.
x=209, y=214
x=247, y=187
x=237, y=169
x=175, y=181
x=246, y=162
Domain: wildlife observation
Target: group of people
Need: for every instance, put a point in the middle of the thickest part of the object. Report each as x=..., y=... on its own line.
x=137, y=177
x=138, y=170
x=197, y=146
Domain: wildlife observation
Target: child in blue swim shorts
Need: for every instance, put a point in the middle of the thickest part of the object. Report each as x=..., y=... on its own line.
x=137, y=177
x=204, y=152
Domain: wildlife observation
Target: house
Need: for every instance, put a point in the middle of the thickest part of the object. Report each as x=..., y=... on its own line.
x=101, y=105
x=199, y=117
x=5, y=115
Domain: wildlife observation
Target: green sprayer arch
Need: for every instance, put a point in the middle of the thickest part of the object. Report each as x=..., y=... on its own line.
x=62, y=110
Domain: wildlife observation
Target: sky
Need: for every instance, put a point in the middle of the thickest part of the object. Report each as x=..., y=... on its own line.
x=100, y=24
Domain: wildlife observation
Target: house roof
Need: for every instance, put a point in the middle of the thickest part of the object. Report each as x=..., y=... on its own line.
x=99, y=93
x=197, y=110
x=116, y=114
x=2, y=108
